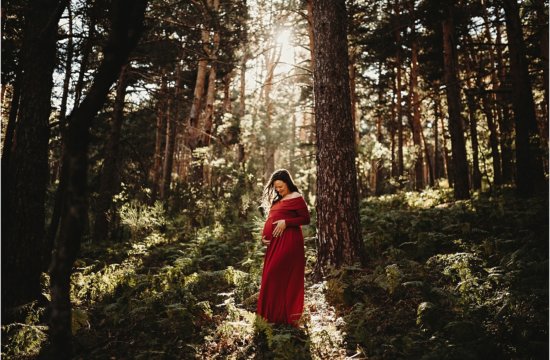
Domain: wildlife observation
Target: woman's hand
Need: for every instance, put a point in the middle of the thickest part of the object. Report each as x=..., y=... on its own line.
x=265, y=241
x=281, y=226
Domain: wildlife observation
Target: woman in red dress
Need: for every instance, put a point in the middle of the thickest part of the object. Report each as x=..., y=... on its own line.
x=281, y=299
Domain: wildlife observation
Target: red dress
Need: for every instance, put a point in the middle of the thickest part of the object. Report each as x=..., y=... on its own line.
x=281, y=297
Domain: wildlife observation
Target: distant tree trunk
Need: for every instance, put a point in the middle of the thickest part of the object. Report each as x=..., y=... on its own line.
x=436, y=169
x=530, y=173
x=379, y=163
x=416, y=126
x=476, y=174
x=460, y=162
x=272, y=59
x=170, y=141
x=242, y=105
x=109, y=175
x=208, y=116
x=339, y=236
x=126, y=25
x=23, y=215
x=162, y=113
x=431, y=177
x=503, y=113
x=198, y=93
x=446, y=156
x=398, y=91
x=488, y=103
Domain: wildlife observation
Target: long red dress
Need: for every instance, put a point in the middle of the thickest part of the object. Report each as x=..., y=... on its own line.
x=281, y=297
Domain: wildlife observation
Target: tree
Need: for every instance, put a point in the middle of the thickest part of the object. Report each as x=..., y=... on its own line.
x=127, y=18
x=460, y=162
x=530, y=173
x=339, y=237
x=24, y=184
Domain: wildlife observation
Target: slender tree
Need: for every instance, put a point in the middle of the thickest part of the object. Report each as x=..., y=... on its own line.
x=339, y=236
x=126, y=24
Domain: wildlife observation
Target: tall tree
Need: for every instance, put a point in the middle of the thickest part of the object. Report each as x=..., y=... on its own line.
x=126, y=24
x=339, y=237
x=24, y=184
x=456, y=129
x=529, y=166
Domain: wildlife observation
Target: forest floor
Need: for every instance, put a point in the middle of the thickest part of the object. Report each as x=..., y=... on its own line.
x=444, y=280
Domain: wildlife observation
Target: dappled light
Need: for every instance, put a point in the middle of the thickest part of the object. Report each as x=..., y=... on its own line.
x=294, y=180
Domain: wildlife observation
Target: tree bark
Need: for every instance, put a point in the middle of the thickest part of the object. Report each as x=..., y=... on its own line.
x=530, y=174
x=23, y=218
x=168, y=148
x=460, y=162
x=339, y=237
x=126, y=24
x=109, y=176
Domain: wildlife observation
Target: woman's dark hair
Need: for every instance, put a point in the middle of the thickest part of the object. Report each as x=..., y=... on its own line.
x=269, y=195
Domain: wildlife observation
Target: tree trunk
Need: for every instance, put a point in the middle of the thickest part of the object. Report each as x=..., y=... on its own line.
x=476, y=174
x=398, y=91
x=460, y=162
x=415, y=103
x=27, y=176
x=126, y=24
x=170, y=140
x=503, y=113
x=530, y=174
x=108, y=183
x=339, y=235
x=272, y=59
x=162, y=112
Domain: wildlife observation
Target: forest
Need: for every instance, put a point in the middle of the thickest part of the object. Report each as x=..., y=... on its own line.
x=138, y=136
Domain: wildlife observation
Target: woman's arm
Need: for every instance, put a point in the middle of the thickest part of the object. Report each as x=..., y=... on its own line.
x=302, y=217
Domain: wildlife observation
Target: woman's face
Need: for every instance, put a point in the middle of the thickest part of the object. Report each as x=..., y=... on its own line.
x=281, y=187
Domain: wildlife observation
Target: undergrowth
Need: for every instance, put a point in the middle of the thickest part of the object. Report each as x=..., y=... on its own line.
x=444, y=280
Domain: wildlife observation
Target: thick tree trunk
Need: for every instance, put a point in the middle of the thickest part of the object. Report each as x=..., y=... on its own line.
x=27, y=176
x=530, y=174
x=126, y=24
x=460, y=162
x=339, y=236
x=109, y=175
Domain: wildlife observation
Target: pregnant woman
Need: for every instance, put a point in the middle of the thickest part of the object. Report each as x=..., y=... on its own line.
x=281, y=299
